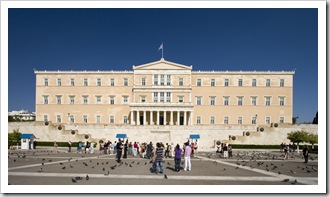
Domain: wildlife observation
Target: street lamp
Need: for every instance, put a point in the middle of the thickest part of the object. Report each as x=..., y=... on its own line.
x=256, y=120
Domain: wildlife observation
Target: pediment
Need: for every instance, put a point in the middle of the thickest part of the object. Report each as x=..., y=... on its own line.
x=162, y=65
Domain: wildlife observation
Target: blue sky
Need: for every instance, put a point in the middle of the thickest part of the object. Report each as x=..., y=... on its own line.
x=209, y=39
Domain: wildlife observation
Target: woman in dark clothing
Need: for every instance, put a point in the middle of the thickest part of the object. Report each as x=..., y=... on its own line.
x=125, y=149
x=177, y=157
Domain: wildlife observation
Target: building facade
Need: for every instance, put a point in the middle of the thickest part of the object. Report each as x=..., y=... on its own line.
x=164, y=93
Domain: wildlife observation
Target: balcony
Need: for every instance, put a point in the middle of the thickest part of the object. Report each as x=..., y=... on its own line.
x=162, y=104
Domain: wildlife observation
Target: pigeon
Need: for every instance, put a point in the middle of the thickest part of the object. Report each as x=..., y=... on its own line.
x=292, y=171
x=145, y=163
x=165, y=176
x=286, y=180
x=74, y=180
x=224, y=169
x=106, y=174
x=63, y=168
x=87, y=177
x=14, y=160
x=150, y=161
x=107, y=162
x=71, y=166
x=90, y=161
x=40, y=170
x=130, y=165
x=294, y=182
x=103, y=169
x=236, y=167
x=137, y=163
x=308, y=171
x=61, y=163
x=50, y=160
x=42, y=164
x=97, y=163
x=279, y=172
x=112, y=167
x=93, y=166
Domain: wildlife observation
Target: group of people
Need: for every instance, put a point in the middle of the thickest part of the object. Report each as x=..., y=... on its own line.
x=226, y=150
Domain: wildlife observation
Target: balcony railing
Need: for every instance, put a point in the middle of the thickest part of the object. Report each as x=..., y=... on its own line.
x=165, y=104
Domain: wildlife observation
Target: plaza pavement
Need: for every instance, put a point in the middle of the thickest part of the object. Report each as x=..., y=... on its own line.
x=247, y=167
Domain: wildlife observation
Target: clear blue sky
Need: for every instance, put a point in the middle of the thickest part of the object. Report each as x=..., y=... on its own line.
x=208, y=39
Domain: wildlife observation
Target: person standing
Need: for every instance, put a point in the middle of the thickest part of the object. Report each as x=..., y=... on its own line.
x=158, y=158
x=119, y=148
x=177, y=157
x=135, y=147
x=230, y=151
x=125, y=149
x=91, y=151
x=187, y=153
x=55, y=147
x=305, y=153
x=69, y=144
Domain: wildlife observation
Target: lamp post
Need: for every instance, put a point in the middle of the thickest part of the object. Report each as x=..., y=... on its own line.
x=256, y=120
x=69, y=121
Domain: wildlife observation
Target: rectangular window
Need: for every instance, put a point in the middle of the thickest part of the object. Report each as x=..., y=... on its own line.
x=199, y=82
x=155, y=79
x=143, y=81
x=198, y=100
x=267, y=100
x=161, y=97
x=226, y=82
x=254, y=82
x=98, y=119
x=125, y=98
x=254, y=120
x=112, y=100
x=162, y=79
x=85, y=100
x=212, y=120
x=226, y=120
x=71, y=100
x=281, y=101
x=112, y=119
x=180, y=99
x=112, y=82
x=282, y=82
x=85, y=119
x=45, y=100
x=212, y=82
x=46, y=82
x=155, y=97
x=226, y=100
x=58, y=118
x=168, y=97
x=71, y=118
x=85, y=82
x=239, y=120
x=240, y=82
x=98, y=99
x=143, y=99
x=267, y=120
x=125, y=82
x=59, y=82
x=268, y=82
x=45, y=118
x=212, y=101
x=72, y=82
x=240, y=100
x=59, y=100
x=254, y=100
x=281, y=119
x=168, y=82
x=180, y=81
x=198, y=120
x=125, y=120
x=98, y=82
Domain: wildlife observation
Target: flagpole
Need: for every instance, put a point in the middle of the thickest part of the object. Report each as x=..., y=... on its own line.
x=163, y=50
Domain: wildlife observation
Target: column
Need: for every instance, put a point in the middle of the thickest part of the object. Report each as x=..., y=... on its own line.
x=132, y=117
x=185, y=118
x=164, y=117
x=144, y=117
x=157, y=122
x=151, y=119
x=138, y=117
x=171, y=118
x=191, y=117
x=178, y=118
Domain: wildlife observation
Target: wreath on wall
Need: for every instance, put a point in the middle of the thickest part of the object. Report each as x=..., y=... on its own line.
x=59, y=127
x=86, y=136
x=247, y=133
x=233, y=138
x=261, y=129
x=46, y=123
x=73, y=132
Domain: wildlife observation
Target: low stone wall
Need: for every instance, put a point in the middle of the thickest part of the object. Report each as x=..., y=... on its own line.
x=167, y=134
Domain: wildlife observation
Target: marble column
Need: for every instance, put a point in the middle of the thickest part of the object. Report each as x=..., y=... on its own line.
x=132, y=117
x=151, y=120
x=164, y=117
x=157, y=122
x=171, y=118
x=185, y=118
x=144, y=117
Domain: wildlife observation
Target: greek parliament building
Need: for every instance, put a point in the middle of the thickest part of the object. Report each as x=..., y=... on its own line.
x=164, y=94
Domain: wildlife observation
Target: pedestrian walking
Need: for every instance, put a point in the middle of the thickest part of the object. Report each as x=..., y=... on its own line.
x=305, y=153
x=119, y=148
x=70, y=145
x=55, y=147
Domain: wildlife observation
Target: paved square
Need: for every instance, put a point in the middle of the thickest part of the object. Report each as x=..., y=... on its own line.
x=42, y=167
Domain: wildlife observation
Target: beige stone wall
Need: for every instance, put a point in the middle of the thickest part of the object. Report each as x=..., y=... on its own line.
x=166, y=134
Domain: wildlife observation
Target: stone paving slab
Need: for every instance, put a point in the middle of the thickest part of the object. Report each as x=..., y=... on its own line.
x=244, y=168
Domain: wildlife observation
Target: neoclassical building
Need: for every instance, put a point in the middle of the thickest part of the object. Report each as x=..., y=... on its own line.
x=164, y=93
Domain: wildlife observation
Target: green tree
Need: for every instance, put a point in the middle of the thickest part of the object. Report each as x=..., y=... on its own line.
x=298, y=137
x=13, y=137
x=312, y=139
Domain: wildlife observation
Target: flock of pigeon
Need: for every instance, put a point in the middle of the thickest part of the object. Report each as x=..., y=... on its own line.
x=268, y=161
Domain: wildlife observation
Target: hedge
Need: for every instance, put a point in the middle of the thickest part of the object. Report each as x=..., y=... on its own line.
x=60, y=144
x=252, y=146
